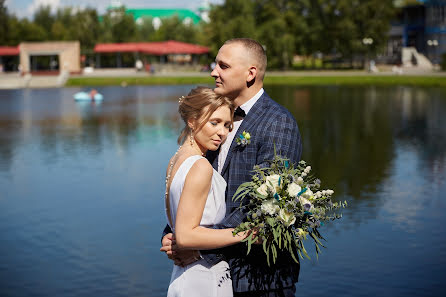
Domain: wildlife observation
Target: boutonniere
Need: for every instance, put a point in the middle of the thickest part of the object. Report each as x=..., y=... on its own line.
x=243, y=139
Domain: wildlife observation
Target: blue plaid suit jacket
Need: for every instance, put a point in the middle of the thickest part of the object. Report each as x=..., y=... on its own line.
x=269, y=124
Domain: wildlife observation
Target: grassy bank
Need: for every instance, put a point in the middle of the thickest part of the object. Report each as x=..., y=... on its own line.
x=149, y=80
x=425, y=81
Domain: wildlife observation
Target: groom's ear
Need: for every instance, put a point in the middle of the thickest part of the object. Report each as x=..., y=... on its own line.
x=252, y=74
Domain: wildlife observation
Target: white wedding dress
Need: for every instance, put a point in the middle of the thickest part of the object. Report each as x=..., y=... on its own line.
x=200, y=279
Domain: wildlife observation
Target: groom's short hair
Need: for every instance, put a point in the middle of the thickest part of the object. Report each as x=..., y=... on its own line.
x=255, y=51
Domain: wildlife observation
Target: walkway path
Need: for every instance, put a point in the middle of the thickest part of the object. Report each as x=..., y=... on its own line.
x=14, y=81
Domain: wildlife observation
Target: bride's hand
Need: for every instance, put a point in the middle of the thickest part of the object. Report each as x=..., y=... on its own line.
x=255, y=232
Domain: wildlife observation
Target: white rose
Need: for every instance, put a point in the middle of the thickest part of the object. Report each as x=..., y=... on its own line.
x=269, y=207
x=294, y=189
x=263, y=190
x=304, y=174
x=308, y=194
x=300, y=181
x=272, y=182
x=307, y=169
x=287, y=217
x=330, y=192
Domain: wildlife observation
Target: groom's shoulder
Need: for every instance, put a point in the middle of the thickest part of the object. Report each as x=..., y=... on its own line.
x=275, y=109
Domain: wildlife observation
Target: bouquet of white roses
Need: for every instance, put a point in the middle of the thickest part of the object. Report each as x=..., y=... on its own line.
x=286, y=206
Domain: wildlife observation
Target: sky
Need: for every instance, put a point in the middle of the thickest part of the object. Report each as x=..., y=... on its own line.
x=26, y=8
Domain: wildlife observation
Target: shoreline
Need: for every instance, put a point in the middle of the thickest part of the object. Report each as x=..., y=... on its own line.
x=300, y=80
x=126, y=77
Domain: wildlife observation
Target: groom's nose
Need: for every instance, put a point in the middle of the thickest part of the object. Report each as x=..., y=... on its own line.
x=214, y=72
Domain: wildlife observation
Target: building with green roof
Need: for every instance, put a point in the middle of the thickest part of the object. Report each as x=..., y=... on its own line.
x=158, y=14
x=185, y=15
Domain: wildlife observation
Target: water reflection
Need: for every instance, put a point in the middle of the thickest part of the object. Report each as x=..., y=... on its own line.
x=52, y=118
x=350, y=135
x=80, y=188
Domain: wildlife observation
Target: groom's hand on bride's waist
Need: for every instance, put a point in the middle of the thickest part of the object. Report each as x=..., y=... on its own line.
x=185, y=257
x=167, y=245
x=180, y=257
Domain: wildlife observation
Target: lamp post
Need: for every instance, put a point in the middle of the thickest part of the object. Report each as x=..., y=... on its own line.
x=433, y=43
x=367, y=41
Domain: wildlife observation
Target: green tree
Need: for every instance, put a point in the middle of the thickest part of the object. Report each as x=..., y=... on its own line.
x=123, y=26
x=232, y=19
x=145, y=30
x=303, y=27
x=340, y=26
x=281, y=28
x=30, y=31
x=4, y=24
x=85, y=28
x=174, y=29
x=373, y=21
x=44, y=19
x=278, y=25
x=59, y=31
x=63, y=23
x=117, y=26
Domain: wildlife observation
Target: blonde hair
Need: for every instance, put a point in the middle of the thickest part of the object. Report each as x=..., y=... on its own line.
x=255, y=50
x=199, y=105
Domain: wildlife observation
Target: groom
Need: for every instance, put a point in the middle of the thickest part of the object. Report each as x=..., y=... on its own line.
x=239, y=72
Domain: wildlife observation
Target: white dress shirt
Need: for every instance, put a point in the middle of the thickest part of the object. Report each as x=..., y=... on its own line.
x=227, y=144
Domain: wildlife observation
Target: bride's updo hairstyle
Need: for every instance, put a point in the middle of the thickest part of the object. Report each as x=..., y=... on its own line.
x=199, y=105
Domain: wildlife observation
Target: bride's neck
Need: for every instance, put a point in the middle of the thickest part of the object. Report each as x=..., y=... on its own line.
x=194, y=149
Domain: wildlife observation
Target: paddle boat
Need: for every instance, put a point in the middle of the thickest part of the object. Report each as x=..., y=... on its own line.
x=86, y=96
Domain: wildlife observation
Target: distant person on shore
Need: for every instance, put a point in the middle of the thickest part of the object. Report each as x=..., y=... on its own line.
x=204, y=68
x=138, y=65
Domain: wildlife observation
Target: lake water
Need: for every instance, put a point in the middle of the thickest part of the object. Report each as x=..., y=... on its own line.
x=81, y=189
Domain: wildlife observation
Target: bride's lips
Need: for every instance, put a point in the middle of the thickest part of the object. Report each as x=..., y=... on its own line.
x=217, y=142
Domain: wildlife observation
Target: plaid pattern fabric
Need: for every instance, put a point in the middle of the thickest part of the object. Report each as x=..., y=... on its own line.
x=270, y=125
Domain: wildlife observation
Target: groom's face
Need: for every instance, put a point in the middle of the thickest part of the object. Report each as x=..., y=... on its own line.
x=231, y=70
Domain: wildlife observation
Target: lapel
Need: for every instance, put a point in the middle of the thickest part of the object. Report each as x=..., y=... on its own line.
x=249, y=121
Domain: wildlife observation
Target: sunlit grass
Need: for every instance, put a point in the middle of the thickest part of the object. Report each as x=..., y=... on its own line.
x=426, y=81
x=149, y=80
x=432, y=81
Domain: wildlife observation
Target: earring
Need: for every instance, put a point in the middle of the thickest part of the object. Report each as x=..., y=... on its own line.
x=191, y=138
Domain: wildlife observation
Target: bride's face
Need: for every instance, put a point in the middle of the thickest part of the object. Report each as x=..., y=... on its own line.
x=215, y=130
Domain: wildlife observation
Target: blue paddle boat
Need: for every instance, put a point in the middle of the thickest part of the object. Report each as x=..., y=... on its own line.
x=85, y=96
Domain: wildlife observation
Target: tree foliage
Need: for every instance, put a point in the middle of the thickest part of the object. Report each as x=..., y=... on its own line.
x=232, y=19
x=4, y=23
x=285, y=27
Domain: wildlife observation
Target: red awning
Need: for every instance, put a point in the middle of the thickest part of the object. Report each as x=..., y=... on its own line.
x=152, y=48
x=116, y=47
x=9, y=51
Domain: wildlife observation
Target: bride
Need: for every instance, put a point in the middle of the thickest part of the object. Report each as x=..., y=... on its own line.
x=195, y=194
